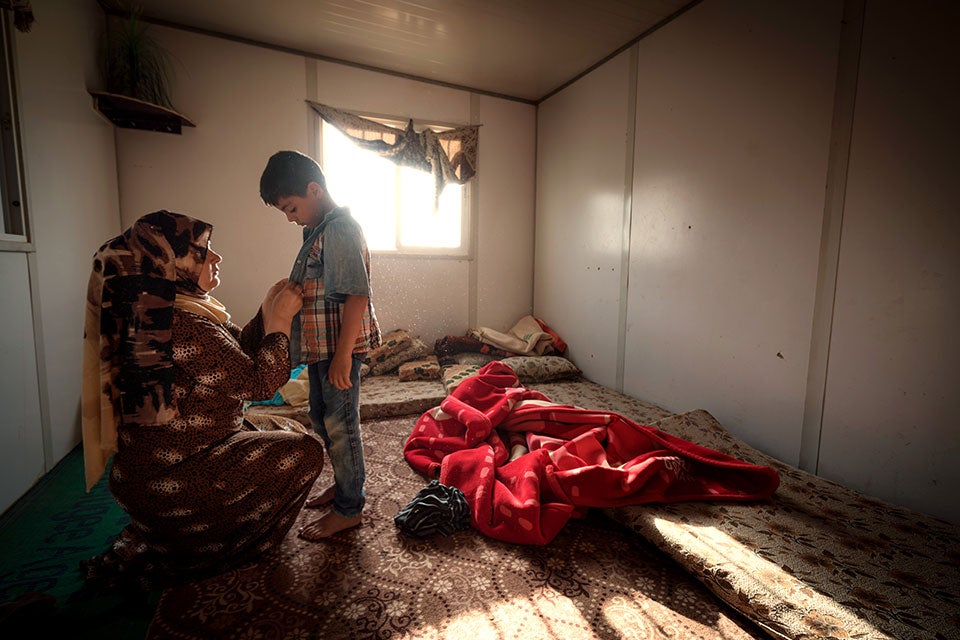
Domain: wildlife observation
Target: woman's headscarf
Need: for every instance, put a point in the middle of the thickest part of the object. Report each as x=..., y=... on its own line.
x=128, y=352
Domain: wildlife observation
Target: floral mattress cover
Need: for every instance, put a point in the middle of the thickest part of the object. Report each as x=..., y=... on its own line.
x=816, y=560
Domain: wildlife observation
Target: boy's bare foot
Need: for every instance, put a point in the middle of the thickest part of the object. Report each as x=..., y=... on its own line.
x=323, y=499
x=327, y=525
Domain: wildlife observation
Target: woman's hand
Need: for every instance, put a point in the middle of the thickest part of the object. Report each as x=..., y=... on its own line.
x=271, y=294
x=283, y=301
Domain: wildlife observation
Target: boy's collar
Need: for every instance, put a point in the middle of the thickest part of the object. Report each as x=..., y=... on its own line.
x=335, y=212
x=310, y=234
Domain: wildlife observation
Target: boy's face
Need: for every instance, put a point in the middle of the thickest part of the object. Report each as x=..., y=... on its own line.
x=303, y=210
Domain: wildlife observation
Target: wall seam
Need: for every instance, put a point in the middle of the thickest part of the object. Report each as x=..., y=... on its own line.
x=627, y=226
x=848, y=63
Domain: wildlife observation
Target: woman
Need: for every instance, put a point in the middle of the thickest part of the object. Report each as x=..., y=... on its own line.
x=165, y=377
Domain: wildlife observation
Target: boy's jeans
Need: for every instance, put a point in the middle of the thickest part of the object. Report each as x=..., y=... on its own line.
x=335, y=415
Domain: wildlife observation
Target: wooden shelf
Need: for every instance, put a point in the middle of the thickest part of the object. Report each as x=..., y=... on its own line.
x=130, y=113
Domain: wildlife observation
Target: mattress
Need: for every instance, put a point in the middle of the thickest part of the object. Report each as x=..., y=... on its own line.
x=380, y=397
x=817, y=560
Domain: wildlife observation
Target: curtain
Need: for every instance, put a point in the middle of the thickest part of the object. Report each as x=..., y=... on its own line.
x=450, y=156
x=22, y=13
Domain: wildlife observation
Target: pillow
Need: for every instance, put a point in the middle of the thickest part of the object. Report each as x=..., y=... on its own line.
x=415, y=350
x=390, y=345
x=297, y=390
x=472, y=358
x=457, y=373
x=278, y=398
x=424, y=369
x=542, y=368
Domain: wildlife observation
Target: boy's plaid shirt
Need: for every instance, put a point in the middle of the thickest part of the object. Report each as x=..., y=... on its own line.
x=320, y=318
x=316, y=329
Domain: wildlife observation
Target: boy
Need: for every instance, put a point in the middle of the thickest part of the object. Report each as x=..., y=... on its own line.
x=333, y=331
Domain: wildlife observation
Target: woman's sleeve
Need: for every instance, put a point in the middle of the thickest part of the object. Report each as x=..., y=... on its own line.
x=252, y=335
x=213, y=357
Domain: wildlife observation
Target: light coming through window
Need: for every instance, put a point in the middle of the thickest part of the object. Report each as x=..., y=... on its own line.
x=393, y=204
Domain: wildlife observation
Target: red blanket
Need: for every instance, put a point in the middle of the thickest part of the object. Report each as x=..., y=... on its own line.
x=577, y=459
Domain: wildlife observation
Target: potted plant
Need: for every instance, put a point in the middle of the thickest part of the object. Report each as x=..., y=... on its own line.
x=134, y=65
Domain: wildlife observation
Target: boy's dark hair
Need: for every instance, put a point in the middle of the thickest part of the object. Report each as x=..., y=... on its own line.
x=287, y=174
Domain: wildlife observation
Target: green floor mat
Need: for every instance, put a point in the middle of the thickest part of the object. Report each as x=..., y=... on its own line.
x=44, y=536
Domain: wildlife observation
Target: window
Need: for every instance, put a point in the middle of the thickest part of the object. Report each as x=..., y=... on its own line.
x=14, y=218
x=395, y=205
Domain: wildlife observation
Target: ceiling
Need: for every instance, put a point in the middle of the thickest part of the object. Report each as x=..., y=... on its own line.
x=521, y=49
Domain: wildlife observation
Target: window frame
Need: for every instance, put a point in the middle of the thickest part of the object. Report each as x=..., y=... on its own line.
x=465, y=250
x=12, y=182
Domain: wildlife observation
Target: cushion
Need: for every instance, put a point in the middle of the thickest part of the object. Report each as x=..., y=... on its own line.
x=542, y=368
x=454, y=374
x=423, y=369
x=416, y=349
x=391, y=344
x=297, y=390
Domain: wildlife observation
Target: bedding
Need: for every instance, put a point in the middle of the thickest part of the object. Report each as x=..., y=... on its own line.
x=454, y=374
x=479, y=359
x=577, y=459
x=526, y=337
x=590, y=395
x=542, y=368
x=391, y=343
x=818, y=561
x=415, y=350
x=423, y=369
x=380, y=396
x=449, y=346
x=815, y=560
x=595, y=581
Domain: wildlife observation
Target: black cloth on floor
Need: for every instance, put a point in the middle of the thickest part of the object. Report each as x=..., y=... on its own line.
x=436, y=508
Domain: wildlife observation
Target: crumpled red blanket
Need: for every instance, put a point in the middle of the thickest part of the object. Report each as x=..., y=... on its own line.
x=577, y=459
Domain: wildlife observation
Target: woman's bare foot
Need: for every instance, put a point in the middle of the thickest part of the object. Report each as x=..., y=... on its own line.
x=323, y=499
x=327, y=525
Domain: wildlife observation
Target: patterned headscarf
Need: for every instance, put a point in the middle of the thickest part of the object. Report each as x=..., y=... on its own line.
x=128, y=352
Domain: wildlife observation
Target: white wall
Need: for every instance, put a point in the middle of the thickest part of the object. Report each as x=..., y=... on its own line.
x=581, y=177
x=733, y=127
x=70, y=165
x=248, y=102
x=891, y=424
x=732, y=140
x=505, y=190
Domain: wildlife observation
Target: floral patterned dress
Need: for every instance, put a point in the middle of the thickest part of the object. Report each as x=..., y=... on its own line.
x=210, y=489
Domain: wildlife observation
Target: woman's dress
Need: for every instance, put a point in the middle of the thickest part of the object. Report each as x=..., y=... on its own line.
x=210, y=490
